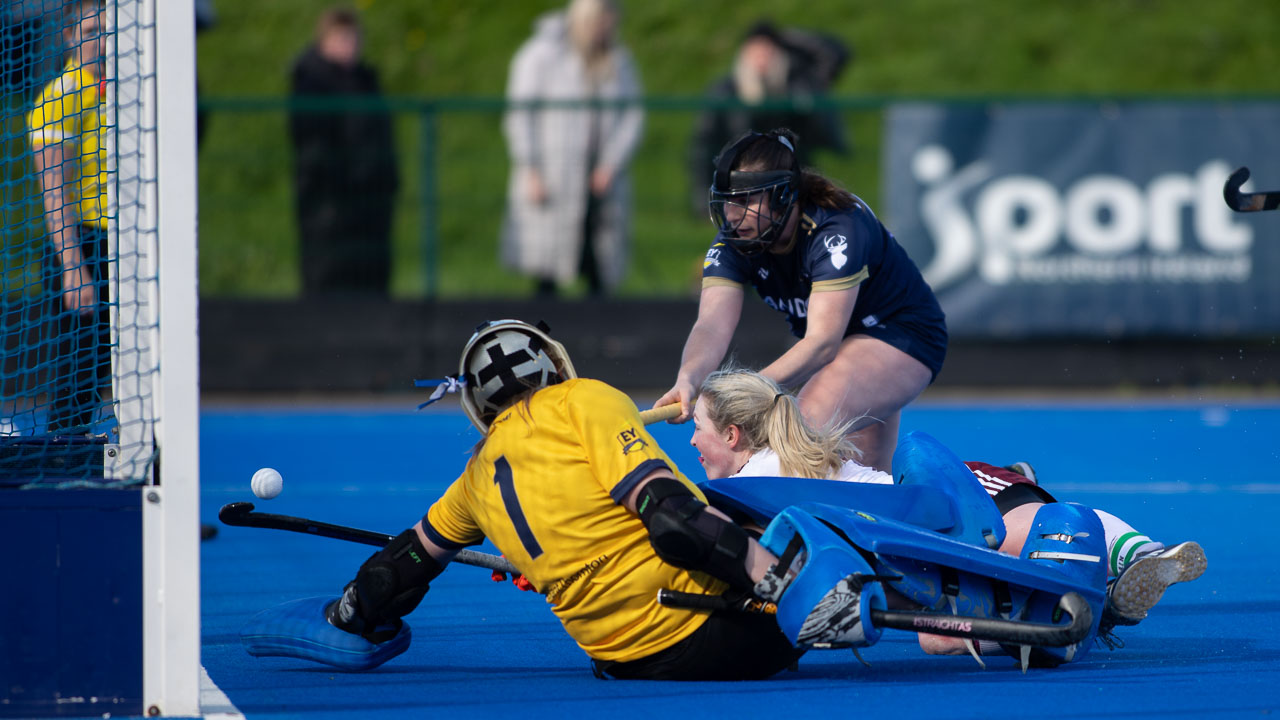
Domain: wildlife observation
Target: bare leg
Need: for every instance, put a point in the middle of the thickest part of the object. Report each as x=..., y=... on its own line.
x=878, y=440
x=868, y=382
x=1017, y=525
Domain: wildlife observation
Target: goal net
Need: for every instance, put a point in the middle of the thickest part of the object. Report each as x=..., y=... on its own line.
x=98, y=383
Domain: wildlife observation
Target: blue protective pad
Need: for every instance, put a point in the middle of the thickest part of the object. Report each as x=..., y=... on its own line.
x=1082, y=526
x=919, y=556
x=762, y=498
x=298, y=629
x=828, y=560
x=922, y=460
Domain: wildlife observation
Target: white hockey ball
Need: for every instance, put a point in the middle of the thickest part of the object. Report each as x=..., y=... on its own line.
x=267, y=483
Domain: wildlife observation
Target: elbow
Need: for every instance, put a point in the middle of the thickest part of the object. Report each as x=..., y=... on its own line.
x=825, y=350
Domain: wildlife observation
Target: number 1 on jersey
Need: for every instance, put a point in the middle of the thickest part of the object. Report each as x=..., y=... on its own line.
x=506, y=484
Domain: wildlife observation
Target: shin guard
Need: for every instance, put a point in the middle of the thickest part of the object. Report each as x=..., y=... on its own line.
x=1068, y=538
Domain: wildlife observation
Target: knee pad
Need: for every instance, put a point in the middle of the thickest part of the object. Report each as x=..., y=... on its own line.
x=1069, y=538
x=828, y=601
x=922, y=460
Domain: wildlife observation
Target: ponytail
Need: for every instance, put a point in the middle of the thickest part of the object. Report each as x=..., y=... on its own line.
x=819, y=190
x=770, y=418
x=805, y=451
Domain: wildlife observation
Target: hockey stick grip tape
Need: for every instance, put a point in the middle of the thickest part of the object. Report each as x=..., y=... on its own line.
x=692, y=601
x=658, y=414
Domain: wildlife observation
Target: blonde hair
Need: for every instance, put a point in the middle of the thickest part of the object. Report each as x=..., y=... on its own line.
x=770, y=418
x=584, y=18
x=521, y=402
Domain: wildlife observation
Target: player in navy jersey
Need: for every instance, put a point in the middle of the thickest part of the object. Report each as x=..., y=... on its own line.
x=872, y=336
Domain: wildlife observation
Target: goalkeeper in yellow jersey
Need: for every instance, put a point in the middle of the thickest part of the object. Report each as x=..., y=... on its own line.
x=573, y=490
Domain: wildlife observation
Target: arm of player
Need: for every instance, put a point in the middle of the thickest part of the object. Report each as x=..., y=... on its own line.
x=829, y=314
x=689, y=534
x=389, y=585
x=719, y=309
x=55, y=174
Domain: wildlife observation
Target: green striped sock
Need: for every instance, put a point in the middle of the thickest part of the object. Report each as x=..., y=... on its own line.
x=1128, y=547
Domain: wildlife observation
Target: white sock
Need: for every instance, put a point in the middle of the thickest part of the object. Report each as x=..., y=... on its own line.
x=1124, y=544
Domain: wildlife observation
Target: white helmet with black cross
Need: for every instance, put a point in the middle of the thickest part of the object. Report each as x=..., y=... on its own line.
x=504, y=359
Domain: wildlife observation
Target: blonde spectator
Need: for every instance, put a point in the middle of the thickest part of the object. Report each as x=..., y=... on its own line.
x=568, y=204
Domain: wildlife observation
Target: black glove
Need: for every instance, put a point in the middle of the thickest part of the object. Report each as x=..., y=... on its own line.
x=389, y=586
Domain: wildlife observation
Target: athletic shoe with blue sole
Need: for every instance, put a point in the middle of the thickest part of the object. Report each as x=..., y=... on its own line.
x=1143, y=582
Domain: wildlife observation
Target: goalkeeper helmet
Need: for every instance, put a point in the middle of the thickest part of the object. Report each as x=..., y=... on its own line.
x=751, y=206
x=505, y=359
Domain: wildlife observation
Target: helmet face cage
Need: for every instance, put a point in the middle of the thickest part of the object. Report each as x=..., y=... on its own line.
x=750, y=207
x=504, y=359
x=759, y=205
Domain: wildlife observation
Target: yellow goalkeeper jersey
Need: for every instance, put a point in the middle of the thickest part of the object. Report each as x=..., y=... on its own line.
x=545, y=488
x=69, y=110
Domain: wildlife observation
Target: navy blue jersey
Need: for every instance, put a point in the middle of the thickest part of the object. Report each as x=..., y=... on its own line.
x=834, y=250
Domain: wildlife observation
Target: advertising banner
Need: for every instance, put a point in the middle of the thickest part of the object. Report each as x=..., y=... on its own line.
x=1088, y=219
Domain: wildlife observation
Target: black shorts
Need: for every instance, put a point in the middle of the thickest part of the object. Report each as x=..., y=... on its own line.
x=1018, y=495
x=729, y=646
x=922, y=336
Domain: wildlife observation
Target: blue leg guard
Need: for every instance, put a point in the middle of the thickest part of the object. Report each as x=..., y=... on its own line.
x=298, y=629
x=1068, y=538
x=954, y=577
x=827, y=603
x=922, y=460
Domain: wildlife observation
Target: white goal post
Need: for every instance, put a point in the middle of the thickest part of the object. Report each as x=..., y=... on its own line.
x=152, y=155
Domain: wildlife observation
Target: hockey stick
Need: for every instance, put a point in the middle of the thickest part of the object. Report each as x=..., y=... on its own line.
x=658, y=414
x=978, y=628
x=1247, y=202
x=241, y=514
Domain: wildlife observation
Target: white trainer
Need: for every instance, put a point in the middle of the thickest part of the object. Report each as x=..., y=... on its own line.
x=1142, y=584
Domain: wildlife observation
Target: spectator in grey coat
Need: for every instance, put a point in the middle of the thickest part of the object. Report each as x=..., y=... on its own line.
x=568, y=202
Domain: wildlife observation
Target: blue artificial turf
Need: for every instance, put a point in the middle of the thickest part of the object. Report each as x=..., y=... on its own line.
x=1202, y=471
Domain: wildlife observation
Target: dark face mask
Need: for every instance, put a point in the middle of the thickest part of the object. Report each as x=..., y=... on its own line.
x=751, y=213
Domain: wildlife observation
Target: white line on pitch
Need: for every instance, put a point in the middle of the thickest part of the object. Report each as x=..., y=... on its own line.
x=214, y=704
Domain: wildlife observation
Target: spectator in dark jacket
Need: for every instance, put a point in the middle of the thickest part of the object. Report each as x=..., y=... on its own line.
x=773, y=66
x=344, y=164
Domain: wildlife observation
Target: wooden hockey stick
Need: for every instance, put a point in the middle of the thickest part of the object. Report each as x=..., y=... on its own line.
x=658, y=414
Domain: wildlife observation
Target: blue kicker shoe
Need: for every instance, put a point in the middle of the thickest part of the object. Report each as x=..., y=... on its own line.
x=299, y=629
x=1143, y=582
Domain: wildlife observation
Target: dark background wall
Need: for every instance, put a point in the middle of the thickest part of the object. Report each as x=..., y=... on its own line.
x=353, y=345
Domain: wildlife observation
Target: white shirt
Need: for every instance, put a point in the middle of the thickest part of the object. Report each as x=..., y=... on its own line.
x=765, y=463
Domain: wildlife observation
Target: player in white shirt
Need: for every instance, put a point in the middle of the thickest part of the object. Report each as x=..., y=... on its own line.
x=746, y=425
